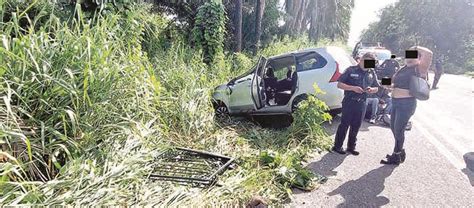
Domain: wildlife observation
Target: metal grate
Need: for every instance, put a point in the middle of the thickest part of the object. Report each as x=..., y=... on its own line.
x=186, y=166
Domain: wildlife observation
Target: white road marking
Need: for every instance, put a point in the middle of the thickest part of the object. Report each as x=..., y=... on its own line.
x=459, y=164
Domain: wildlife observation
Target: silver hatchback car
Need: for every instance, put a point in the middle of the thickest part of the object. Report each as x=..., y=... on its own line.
x=277, y=84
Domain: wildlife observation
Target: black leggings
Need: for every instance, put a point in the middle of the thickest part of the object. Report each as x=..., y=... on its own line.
x=436, y=79
x=402, y=110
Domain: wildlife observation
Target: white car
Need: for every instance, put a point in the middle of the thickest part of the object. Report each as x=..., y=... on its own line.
x=381, y=54
x=277, y=84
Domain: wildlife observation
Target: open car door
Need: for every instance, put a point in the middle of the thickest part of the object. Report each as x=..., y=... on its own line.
x=257, y=89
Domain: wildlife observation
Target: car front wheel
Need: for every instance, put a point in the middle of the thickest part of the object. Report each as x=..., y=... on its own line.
x=221, y=110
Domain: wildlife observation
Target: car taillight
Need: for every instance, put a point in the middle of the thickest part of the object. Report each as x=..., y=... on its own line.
x=336, y=74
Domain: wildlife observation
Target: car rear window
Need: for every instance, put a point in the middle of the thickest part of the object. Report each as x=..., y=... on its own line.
x=309, y=61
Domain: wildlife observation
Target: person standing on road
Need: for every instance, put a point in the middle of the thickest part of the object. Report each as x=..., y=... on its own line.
x=357, y=81
x=389, y=67
x=403, y=105
x=438, y=73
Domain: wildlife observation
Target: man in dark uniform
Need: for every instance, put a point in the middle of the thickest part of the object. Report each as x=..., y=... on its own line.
x=389, y=67
x=438, y=73
x=357, y=82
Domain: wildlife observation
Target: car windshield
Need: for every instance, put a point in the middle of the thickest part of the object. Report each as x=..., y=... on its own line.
x=248, y=72
x=243, y=75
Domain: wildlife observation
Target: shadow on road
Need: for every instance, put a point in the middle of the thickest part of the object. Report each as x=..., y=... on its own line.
x=331, y=128
x=326, y=165
x=364, y=191
x=469, y=174
x=469, y=170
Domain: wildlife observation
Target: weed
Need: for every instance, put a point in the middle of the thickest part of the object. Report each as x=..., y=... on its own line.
x=89, y=100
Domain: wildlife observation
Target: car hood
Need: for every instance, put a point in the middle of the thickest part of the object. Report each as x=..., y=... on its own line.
x=221, y=88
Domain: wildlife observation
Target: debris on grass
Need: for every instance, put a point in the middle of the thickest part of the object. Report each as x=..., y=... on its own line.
x=186, y=166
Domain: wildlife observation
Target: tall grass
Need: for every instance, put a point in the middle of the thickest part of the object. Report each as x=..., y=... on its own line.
x=102, y=96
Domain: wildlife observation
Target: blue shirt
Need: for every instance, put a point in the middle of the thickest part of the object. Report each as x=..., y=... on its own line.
x=355, y=76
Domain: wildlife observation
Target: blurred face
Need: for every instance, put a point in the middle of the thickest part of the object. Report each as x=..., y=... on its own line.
x=412, y=62
x=361, y=63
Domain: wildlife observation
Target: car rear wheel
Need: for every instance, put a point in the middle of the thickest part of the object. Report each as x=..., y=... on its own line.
x=297, y=101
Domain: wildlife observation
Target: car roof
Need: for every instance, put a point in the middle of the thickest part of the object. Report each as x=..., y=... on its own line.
x=307, y=50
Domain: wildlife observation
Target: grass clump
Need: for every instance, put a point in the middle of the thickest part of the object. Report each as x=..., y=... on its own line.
x=470, y=74
x=88, y=102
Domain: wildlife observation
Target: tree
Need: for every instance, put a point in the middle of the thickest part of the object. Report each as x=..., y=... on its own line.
x=255, y=23
x=209, y=30
x=260, y=8
x=238, y=26
x=319, y=18
x=431, y=24
x=294, y=15
x=313, y=20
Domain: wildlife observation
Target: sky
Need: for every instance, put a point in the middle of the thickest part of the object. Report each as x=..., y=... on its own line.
x=364, y=13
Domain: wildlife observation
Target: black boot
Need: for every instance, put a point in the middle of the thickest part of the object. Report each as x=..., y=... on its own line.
x=393, y=159
x=403, y=156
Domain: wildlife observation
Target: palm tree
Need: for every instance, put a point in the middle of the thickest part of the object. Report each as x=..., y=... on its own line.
x=321, y=18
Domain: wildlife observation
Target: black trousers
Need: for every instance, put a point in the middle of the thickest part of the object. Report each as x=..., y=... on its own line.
x=436, y=79
x=352, y=111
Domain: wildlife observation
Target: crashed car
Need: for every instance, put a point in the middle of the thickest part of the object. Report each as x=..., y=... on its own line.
x=277, y=84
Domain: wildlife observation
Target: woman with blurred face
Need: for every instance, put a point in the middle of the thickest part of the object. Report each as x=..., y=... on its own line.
x=403, y=107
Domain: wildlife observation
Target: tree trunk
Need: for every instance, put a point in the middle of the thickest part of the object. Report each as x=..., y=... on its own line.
x=238, y=26
x=260, y=8
x=331, y=19
x=292, y=9
x=313, y=28
x=299, y=17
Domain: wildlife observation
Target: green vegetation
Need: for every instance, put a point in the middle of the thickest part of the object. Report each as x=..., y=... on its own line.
x=101, y=94
x=209, y=30
x=471, y=74
x=446, y=27
x=318, y=20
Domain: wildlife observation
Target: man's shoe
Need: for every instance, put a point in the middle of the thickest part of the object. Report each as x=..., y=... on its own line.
x=352, y=152
x=372, y=121
x=340, y=151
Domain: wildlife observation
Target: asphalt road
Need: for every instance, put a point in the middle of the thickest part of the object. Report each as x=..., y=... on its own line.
x=434, y=173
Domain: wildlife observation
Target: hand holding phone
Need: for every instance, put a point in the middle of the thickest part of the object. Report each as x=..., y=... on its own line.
x=358, y=89
x=369, y=90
